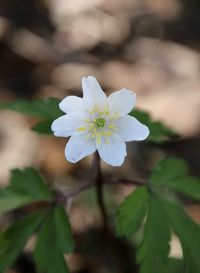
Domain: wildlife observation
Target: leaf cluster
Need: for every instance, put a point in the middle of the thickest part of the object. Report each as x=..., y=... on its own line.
x=46, y=110
x=51, y=223
x=157, y=209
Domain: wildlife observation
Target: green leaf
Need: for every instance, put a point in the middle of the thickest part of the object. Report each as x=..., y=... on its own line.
x=154, y=249
x=173, y=173
x=158, y=131
x=43, y=127
x=65, y=240
x=132, y=212
x=44, y=108
x=12, y=240
x=54, y=240
x=26, y=186
x=188, y=232
x=168, y=169
x=47, y=109
x=175, y=266
x=163, y=215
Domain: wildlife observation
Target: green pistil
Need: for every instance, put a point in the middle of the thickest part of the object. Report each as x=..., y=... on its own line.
x=100, y=122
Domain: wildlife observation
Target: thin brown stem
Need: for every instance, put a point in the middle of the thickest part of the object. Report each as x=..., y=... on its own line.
x=124, y=181
x=106, y=181
x=78, y=189
x=98, y=181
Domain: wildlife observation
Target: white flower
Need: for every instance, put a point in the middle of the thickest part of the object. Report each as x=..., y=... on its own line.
x=96, y=122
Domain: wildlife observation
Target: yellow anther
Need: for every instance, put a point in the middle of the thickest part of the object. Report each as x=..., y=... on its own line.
x=97, y=126
x=91, y=126
x=111, y=126
x=108, y=133
x=98, y=139
x=81, y=129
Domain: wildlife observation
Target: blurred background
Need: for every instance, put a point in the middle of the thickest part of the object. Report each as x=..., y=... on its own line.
x=149, y=46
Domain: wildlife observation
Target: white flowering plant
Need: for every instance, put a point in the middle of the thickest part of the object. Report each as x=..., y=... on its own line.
x=145, y=222
x=98, y=123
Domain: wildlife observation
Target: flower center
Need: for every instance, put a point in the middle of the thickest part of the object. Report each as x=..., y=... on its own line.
x=100, y=122
x=98, y=128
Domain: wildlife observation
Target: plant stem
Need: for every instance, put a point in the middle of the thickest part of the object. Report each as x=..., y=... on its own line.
x=85, y=185
x=98, y=180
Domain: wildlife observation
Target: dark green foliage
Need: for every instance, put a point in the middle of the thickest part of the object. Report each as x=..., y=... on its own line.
x=164, y=215
x=158, y=131
x=173, y=174
x=13, y=239
x=187, y=231
x=43, y=127
x=45, y=109
x=54, y=240
x=26, y=186
x=131, y=212
x=154, y=249
x=167, y=170
x=175, y=266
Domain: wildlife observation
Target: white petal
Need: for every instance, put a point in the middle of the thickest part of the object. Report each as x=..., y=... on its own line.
x=67, y=125
x=92, y=91
x=129, y=128
x=112, y=150
x=78, y=147
x=122, y=101
x=71, y=103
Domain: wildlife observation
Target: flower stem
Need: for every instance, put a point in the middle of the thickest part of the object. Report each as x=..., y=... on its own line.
x=63, y=195
x=98, y=180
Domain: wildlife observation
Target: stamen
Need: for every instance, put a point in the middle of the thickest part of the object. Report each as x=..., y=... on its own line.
x=112, y=126
x=97, y=127
x=108, y=133
x=81, y=129
x=99, y=136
